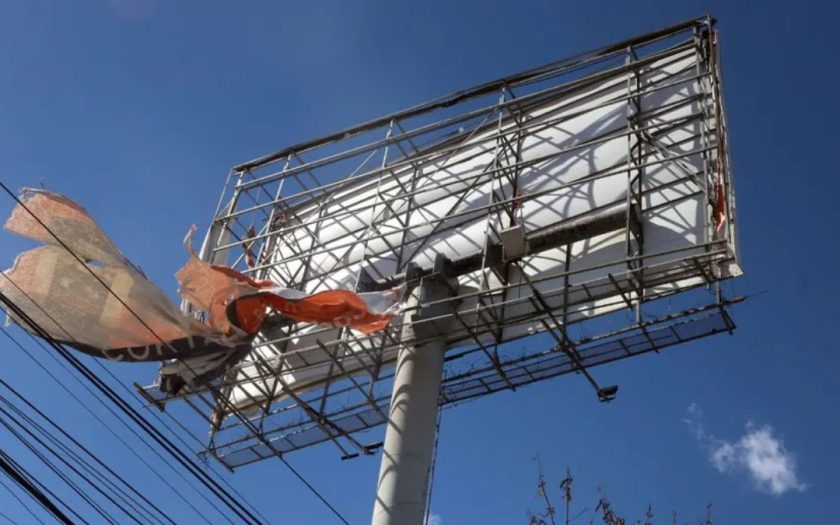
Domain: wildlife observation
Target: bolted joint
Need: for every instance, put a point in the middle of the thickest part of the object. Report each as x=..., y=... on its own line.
x=434, y=302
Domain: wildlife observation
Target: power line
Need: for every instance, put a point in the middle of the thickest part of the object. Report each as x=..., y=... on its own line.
x=247, y=423
x=53, y=356
x=179, y=455
x=22, y=504
x=294, y=471
x=431, y=484
x=87, y=452
x=43, y=487
x=20, y=477
x=135, y=395
x=57, y=471
x=68, y=458
x=57, y=445
x=111, y=430
x=137, y=418
x=62, y=475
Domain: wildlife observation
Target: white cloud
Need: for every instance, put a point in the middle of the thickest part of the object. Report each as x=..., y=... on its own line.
x=764, y=456
x=434, y=519
x=759, y=453
x=695, y=414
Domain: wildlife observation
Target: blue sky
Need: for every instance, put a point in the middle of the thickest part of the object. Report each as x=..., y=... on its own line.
x=137, y=109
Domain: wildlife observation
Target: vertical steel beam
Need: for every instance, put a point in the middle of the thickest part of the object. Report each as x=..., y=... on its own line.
x=402, y=489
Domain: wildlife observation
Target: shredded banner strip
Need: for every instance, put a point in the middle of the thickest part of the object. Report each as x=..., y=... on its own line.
x=135, y=321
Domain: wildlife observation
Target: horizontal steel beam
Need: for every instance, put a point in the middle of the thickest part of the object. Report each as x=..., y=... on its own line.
x=560, y=235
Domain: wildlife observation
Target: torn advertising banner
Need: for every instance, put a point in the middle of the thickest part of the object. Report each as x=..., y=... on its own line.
x=81, y=291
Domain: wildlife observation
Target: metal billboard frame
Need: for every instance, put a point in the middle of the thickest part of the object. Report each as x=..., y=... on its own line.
x=261, y=199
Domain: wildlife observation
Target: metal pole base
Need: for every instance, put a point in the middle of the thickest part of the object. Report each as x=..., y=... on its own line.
x=410, y=434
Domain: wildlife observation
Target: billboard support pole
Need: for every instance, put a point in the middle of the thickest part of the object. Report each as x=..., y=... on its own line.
x=401, y=492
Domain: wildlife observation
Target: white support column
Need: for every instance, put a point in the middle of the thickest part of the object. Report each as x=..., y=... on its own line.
x=410, y=434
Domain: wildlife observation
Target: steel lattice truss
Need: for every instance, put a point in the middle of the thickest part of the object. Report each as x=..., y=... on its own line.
x=513, y=318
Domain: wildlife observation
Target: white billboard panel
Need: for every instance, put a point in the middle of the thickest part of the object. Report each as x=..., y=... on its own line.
x=638, y=140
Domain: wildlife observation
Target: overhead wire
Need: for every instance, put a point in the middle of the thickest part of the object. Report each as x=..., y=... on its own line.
x=430, y=489
x=9, y=422
x=137, y=502
x=111, y=430
x=5, y=300
x=87, y=452
x=137, y=316
x=22, y=504
x=87, y=498
x=179, y=456
x=22, y=478
x=44, y=488
x=134, y=432
x=184, y=460
x=179, y=424
x=90, y=477
x=135, y=395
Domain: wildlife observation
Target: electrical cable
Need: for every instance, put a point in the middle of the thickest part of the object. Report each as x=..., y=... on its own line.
x=136, y=396
x=52, y=355
x=129, y=411
x=178, y=437
x=61, y=475
x=87, y=452
x=120, y=300
x=22, y=504
x=40, y=455
x=57, y=448
x=126, y=446
x=20, y=476
x=43, y=487
x=182, y=458
x=431, y=486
